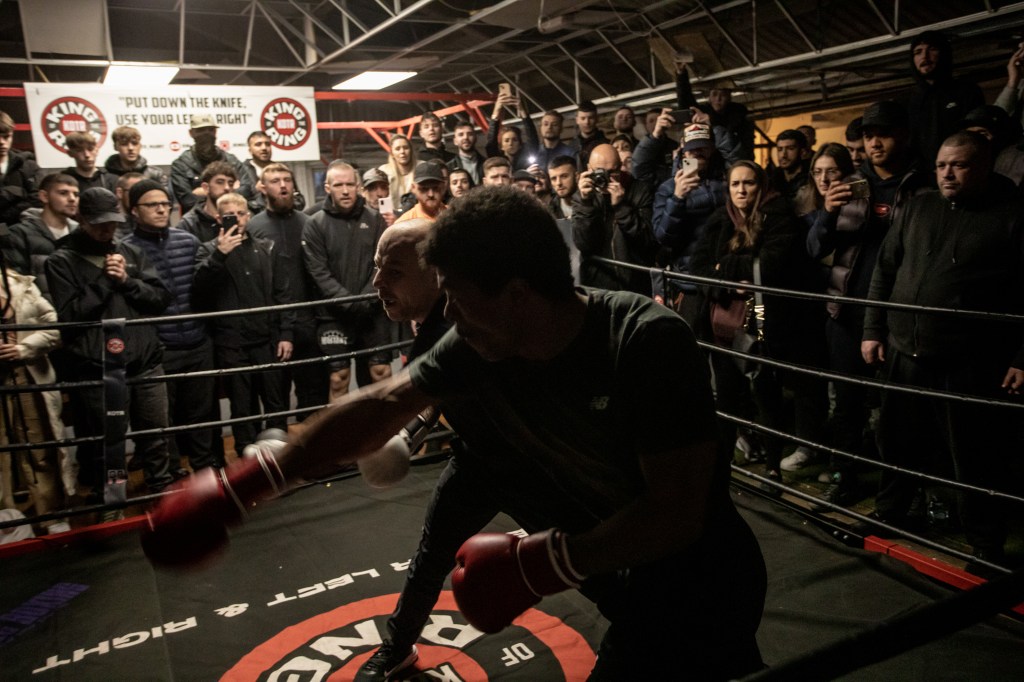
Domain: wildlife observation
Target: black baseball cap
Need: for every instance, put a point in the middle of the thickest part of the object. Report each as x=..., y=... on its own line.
x=99, y=205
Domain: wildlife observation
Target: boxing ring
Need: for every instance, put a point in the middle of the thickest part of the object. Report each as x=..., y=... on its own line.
x=306, y=586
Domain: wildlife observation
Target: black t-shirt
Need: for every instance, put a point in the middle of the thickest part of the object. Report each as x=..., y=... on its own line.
x=631, y=383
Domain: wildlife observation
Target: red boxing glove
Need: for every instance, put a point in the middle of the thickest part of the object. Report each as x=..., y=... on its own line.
x=190, y=525
x=498, y=576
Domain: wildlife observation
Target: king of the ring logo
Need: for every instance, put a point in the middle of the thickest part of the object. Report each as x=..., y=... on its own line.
x=115, y=346
x=334, y=645
x=67, y=115
x=286, y=122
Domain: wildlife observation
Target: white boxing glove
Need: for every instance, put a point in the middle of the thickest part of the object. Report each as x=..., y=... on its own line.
x=389, y=465
x=270, y=441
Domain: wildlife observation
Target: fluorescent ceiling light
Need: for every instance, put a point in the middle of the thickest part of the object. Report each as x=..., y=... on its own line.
x=122, y=76
x=374, y=80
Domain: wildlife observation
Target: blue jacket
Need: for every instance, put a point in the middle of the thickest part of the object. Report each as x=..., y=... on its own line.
x=680, y=223
x=172, y=252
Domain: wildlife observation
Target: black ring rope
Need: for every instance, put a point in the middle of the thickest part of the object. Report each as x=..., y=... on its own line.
x=667, y=273
x=931, y=478
x=198, y=426
x=814, y=296
x=782, y=488
x=153, y=497
x=873, y=383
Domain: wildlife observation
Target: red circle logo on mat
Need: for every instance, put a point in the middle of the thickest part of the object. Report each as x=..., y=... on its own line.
x=286, y=122
x=115, y=346
x=334, y=645
x=67, y=115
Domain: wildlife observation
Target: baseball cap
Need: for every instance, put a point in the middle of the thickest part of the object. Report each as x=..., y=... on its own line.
x=202, y=121
x=373, y=176
x=885, y=114
x=426, y=172
x=697, y=136
x=523, y=175
x=99, y=205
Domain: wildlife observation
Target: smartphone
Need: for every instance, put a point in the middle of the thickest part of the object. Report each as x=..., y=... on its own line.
x=681, y=116
x=505, y=89
x=860, y=189
x=229, y=221
x=385, y=205
x=689, y=166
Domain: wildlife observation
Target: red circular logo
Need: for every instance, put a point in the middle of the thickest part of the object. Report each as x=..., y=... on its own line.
x=334, y=645
x=67, y=115
x=115, y=346
x=287, y=123
x=174, y=146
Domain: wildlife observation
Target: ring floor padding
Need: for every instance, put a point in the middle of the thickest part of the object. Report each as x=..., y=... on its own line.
x=304, y=590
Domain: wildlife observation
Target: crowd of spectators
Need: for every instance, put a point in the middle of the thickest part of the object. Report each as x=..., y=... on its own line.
x=920, y=204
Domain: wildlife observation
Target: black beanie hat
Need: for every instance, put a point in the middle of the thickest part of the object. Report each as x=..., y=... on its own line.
x=141, y=187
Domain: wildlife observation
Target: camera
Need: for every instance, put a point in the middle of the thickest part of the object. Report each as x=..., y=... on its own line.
x=600, y=179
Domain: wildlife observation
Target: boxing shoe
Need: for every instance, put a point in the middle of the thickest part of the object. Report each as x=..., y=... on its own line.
x=189, y=525
x=499, y=576
x=388, y=661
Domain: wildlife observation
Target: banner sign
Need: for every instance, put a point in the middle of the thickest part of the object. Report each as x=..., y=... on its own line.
x=286, y=114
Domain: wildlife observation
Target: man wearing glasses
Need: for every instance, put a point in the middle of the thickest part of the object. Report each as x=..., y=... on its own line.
x=187, y=345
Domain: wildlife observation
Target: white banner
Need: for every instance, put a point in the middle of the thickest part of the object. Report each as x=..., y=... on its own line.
x=162, y=116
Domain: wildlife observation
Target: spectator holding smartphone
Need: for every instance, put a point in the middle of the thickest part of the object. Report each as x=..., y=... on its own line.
x=682, y=206
x=851, y=229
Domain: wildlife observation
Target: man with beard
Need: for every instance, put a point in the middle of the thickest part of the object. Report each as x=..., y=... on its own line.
x=855, y=143
x=338, y=248
x=551, y=145
x=467, y=158
x=852, y=229
x=216, y=180
x=588, y=135
x=187, y=169
x=128, y=159
x=428, y=184
x=937, y=101
x=790, y=173
x=563, y=174
x=611, y=218
x=432, y=132
x=283, y=224
x=260, y=152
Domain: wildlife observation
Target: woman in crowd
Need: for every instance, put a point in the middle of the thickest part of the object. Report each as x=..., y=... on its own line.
x=758, y=224
x=31, y=417
x=829, y=165
x=400, y=166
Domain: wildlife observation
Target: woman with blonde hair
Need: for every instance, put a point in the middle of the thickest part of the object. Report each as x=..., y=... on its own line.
x=401, y=164
x=757, y=225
